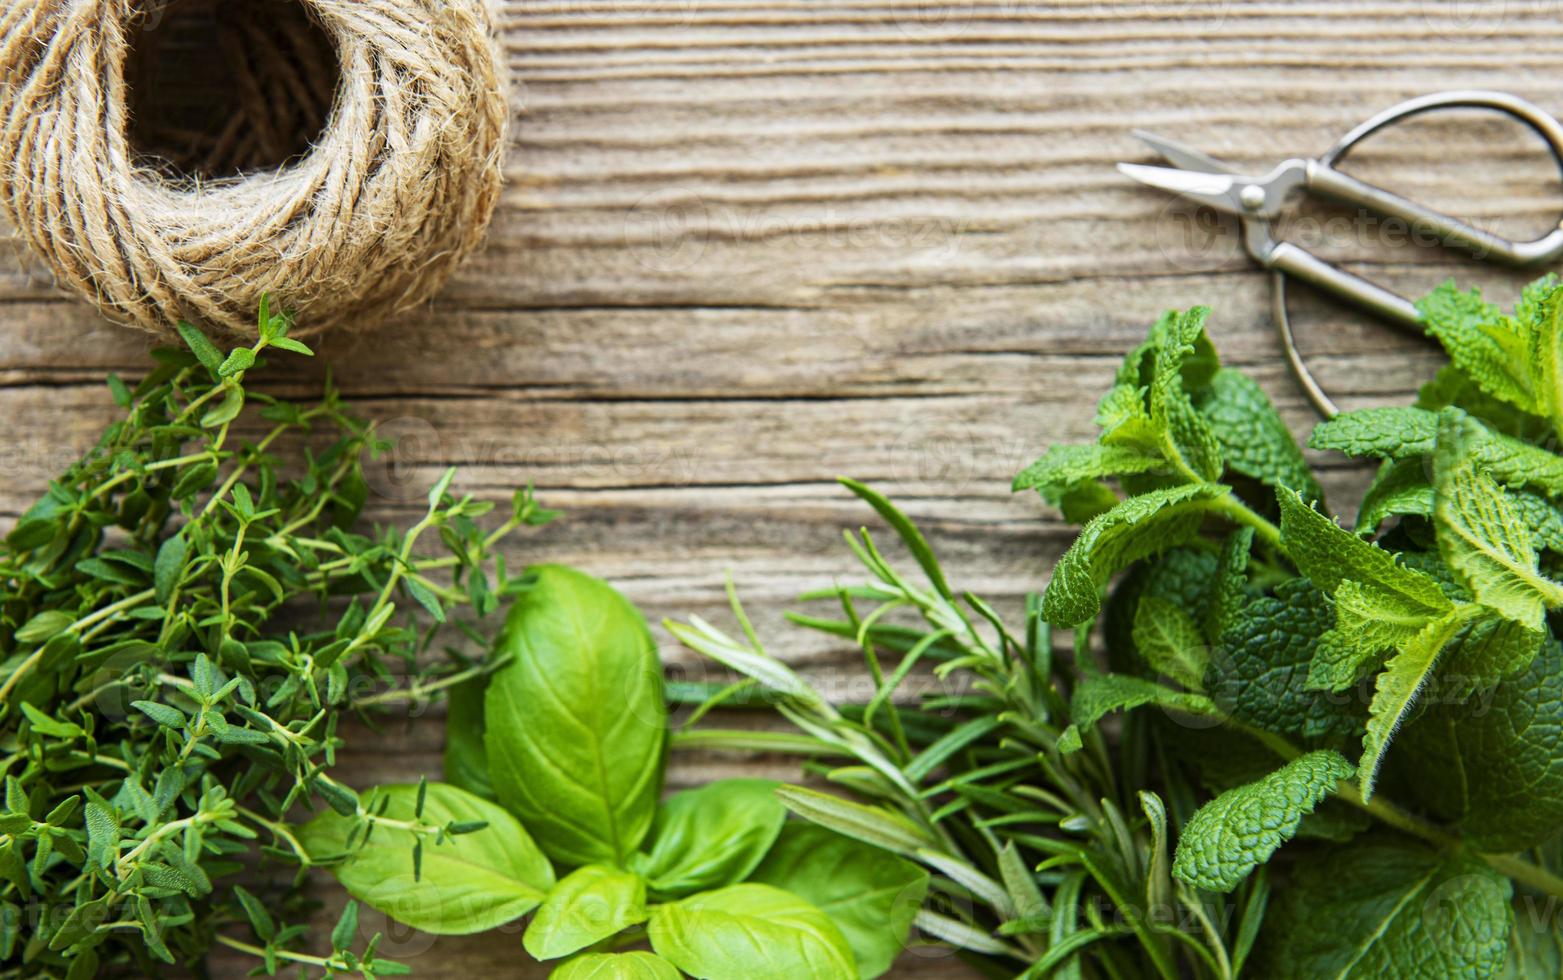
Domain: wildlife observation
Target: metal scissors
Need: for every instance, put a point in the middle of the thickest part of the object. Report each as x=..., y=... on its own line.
x=1256, y=201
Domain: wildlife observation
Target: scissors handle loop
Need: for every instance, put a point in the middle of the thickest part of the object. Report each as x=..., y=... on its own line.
x=1322, y=176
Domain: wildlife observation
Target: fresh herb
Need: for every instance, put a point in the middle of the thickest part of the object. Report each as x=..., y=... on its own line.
x=1381, y=702
x=570, y=741
x=1406, y=668
x=1044, y=849
x=186, y=619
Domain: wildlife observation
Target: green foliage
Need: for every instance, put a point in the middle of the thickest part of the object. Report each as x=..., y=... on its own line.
x=750, y=930
x=1255, y=441
x=1429, y=627
x=1500, y=750
x=711, y=836
x=1171, y=642
x=1237, y=831
x=581, y=766
x=186, y=618
x=990, y=789
x=871, y=896
x=479, y=869
x=1388, y=907
x=571, y=730
x=1267, y=647
x=589, y=905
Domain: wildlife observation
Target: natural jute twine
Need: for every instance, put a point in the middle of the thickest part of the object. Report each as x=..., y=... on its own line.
x=396, y=190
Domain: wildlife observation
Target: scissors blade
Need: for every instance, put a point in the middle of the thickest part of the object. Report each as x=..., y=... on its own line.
x=1217, y=190
x=1182, y=155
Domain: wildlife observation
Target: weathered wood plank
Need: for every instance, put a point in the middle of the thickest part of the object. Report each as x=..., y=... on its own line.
x=749, y=245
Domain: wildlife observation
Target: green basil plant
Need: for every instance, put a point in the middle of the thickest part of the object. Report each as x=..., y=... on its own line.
x=553, y=809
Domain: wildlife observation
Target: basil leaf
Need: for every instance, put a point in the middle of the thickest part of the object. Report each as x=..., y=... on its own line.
x=750, y=931
x=712, y=836
x=872, y=896
x=616, y=966
x=466, y=758
x=576, y=720
x=468, y=883
x=590, y=905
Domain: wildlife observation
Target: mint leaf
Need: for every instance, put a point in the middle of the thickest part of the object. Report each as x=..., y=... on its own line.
x=1397, y=688
x=1389, y=433
x=1170, y=641
x=1137, y=528
x=1491, y=349
x=1260, y=669
x=1103, y=694
x=1401, y=487
x=1189, y=442
x=1365, y=629
x=1237, y=831
x=1329, y=555
x=1387, y=907
x=1065, y=466
x=1480, y=533
x=1253, y=437
x=1080, y=502
x=1491, y=763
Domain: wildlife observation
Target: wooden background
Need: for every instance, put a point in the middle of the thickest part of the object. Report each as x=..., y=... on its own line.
x=749, y=245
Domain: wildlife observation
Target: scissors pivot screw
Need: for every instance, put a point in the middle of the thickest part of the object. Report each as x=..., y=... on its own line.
x=1252, y=197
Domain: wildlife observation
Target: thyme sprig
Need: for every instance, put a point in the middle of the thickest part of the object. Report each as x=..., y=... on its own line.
x=186, y=619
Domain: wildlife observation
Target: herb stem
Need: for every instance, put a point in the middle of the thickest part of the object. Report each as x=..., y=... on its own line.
x=1230, y=506
x=332, y=965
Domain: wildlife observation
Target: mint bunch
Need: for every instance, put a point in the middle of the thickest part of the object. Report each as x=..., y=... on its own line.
x=1390, y=692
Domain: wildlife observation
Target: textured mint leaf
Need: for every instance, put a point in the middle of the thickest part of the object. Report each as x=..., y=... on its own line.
x=1491, y=763
x=1386, y=907
x=1410, y=433
x=1451, y=387
x=1480, y=533
x=1170, y=641
x=1259, y=671
x=1103, y=694
x=1083, y=501
x=1191, y=444
x=1137, y=528
x=1228, y=593
x=1237, y=831
x=1066, y=466
x=1485, y=651
x=1397, y=688
x=1364, y=631
x=1491, y=349
x=1389, y=433
x=1253, y=437
x=1126, y=422
x=1329, y=555
x=1401, y=487
x=1181, y=576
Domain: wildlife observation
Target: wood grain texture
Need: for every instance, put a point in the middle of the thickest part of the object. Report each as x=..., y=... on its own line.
x=749, y=245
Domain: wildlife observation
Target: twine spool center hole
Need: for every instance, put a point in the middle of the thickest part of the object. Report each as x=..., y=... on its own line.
x=219, y=88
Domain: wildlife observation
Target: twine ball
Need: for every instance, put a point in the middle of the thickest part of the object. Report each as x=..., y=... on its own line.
x=368, y=222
